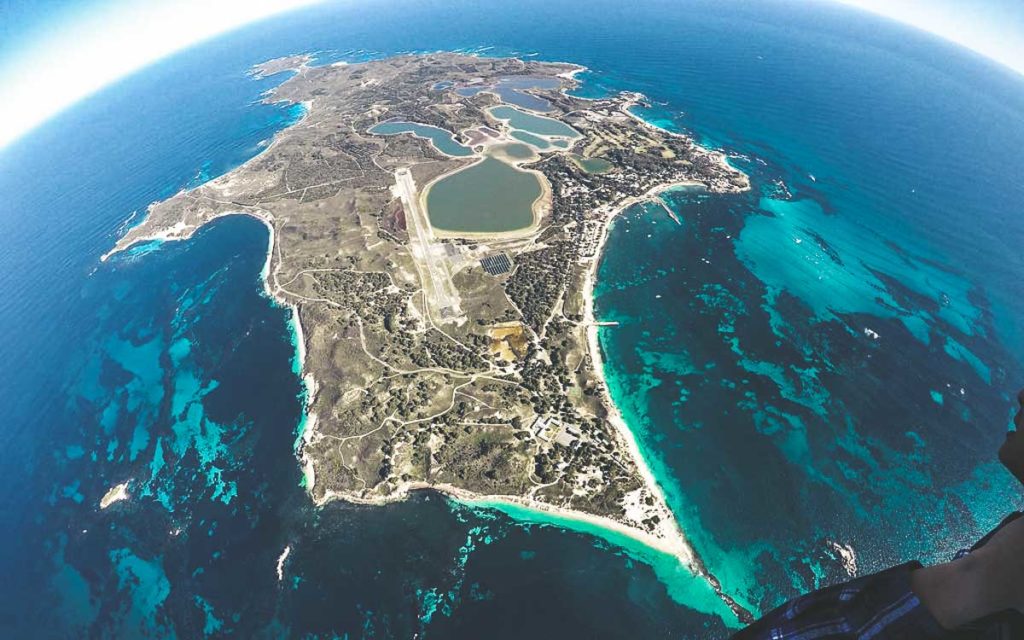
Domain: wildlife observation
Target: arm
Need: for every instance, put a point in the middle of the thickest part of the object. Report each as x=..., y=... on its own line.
x=989, y=579
x=1011, y=454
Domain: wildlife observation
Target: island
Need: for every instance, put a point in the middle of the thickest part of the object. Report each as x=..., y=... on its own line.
x=116, y=493
x=436, y=223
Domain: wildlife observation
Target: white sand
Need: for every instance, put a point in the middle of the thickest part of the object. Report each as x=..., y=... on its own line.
x=280, y=562
x=116, y=493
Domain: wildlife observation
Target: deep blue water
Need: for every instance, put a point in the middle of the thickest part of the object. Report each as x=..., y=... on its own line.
x=775, y=422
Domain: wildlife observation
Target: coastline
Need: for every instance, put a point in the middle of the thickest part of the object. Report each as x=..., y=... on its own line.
x=672, y=541
x=470, y=498
x=669, y=539
x=720, y=156
x=685, y=582
x=594, y=347
x=597, y=364
x=692, y=560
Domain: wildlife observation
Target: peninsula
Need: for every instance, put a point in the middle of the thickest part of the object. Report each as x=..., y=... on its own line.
x=436, y=224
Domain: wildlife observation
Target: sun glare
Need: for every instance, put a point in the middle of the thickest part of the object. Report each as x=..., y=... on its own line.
x=91, y=50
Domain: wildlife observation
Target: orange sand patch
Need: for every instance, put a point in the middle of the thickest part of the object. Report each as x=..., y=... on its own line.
x=508, y=341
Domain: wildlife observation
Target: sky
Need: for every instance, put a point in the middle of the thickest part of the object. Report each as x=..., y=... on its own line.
x=54, y=53
x=993, y=28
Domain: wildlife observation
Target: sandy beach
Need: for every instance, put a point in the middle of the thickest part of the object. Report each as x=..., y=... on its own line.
x=669, y=526
x=675, y=547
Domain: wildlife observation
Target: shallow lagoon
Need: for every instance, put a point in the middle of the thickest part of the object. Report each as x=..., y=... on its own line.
x=529, y=138
x=442, y=140
x=510, y=90
x=488, y=197
x=592, y=165
x=538, y=125
x=516, y=151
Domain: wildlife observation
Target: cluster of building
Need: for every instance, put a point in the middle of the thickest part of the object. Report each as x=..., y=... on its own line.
x=550, y=430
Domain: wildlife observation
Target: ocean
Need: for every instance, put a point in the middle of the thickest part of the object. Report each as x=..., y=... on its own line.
x=819, y=371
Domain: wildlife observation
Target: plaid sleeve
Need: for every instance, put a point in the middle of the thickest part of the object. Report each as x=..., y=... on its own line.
x=881, y=606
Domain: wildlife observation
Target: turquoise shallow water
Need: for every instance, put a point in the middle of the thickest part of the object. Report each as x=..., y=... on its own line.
x=778, y=425
x=529, y=138
x=831, y=420
x=442, y=140
x=512, y=90
x=848, y=350
x=537, y=125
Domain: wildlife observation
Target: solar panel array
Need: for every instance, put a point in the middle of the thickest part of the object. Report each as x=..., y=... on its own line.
x=496, y=264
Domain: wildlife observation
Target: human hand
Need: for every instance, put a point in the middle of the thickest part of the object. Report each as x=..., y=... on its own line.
x=1011, y=454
